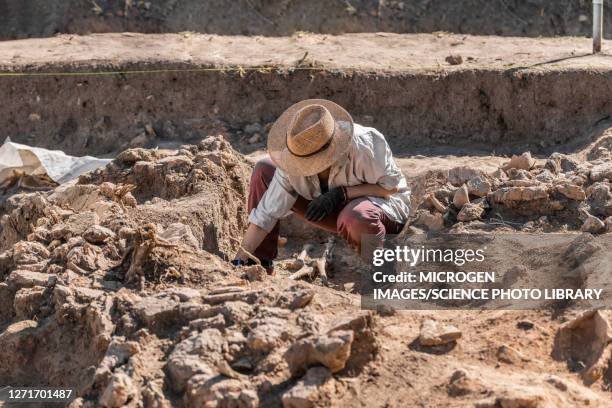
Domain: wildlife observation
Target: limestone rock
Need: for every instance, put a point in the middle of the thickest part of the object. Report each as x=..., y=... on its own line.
x=479, y=186
x=510, y=194
x=593, y=225
x=601, y=171
x=306, y=392
x=118, y=391
x=331, y=350
x=571, y=191
x=522, y=162
x=461, y=197
x=27, y=279
x=470, y=212
x=97, y=234
x=433, y=222
x=256, y=273
x=460, y=175
x=436, y=334
x=203, y=391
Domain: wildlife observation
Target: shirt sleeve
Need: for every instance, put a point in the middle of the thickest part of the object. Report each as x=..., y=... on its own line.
x=276, y=202
x=376, y=160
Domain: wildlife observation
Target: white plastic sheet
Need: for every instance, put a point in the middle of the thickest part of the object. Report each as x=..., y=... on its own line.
x=16, y=158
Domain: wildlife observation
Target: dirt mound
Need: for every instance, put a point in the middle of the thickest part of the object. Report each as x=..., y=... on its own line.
x=115, y=286
x=108, y=269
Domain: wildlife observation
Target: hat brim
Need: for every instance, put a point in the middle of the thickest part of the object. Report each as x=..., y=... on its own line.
x=311, y=165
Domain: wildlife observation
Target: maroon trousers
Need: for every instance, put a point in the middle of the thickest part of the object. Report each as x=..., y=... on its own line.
x=359, y=216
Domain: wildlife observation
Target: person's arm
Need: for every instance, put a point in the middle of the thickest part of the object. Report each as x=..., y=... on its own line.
x=276, y=203
x=253, y=237
x=373, y=190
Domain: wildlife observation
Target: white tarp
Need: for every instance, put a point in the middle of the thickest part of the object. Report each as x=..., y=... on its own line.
x=16, y=158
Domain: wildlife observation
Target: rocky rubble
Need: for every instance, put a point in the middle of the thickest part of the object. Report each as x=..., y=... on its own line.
x=116, y=286
x=556, y=194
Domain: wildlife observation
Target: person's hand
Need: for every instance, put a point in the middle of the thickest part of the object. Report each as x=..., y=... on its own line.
x=238, y=262
x=326, y=204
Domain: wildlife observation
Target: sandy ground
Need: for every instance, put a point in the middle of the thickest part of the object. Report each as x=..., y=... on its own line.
x=376, y=51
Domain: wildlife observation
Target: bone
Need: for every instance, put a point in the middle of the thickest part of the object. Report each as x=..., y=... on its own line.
x=436, y=203
x=313, y=266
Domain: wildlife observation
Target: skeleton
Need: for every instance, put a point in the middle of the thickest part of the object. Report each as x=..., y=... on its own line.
x=309, y=267
x=145, y=241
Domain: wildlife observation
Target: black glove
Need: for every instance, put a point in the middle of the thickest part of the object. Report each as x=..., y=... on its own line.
x=238, y=262
x=326, y=204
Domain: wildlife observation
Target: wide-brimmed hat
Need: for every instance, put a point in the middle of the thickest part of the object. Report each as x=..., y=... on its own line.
x=310, y=136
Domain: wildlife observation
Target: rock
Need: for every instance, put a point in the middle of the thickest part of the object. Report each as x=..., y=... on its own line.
x=510, y=194
x=522, y=162
x=454, y=59
x=385, y=310
x=470, y=212
x=131, y=156
x=77, y=224
x=82, y=258
x=583, y=341
x=593, y=225
x=26, y=252
x=27, y=279
x=525, y=324
x=215, y=322
x=184, y=294
x=434, y=334
x=118, y=391
x=331, y=350
x=182, y=368
x=462, y=383
x=28, y=301
x=157, y=313
x=461, y=197
x=509, y=355
x=153, y=395
x=267, y=333
x=97, y=234
x=608, y=223
x=601, y=171
x=179, y=233
x=117, y=354
x=357, y=322
x=458, y=176
x=566, y=163
x=306, y=392
x=256, y=273
x=520, y=175
x=478, y=186
x=197, y=354
x=296, y=296
x=571, y=191
x=203, y=391
x=545, y=176
x=433, y=222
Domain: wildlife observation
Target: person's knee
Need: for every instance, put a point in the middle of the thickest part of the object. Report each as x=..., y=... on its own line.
x=264, y=170
x=356, y=223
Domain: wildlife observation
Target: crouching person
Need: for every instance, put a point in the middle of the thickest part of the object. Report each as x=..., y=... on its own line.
x=335, y=174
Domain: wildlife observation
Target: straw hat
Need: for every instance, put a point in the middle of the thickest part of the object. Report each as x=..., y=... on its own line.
x=310, y=136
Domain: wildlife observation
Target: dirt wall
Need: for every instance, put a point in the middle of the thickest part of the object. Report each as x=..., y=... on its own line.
x=500, y=111
x=43, y=18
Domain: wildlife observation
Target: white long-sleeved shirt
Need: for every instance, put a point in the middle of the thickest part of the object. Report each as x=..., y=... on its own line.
x=369, y=161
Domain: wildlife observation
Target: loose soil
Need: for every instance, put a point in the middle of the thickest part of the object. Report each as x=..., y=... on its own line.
x=509, y=95
x=534, y=18
x=123, y=294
